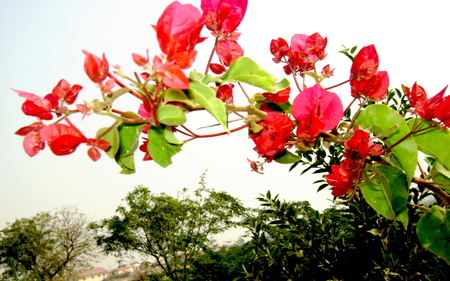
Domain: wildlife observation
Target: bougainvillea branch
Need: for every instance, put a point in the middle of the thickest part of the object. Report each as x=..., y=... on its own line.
x=371, y=155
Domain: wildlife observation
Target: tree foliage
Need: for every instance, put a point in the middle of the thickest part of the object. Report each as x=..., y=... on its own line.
x=48, y=246
x=170, y=230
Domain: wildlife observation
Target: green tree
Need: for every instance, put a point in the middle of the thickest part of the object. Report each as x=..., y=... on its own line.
x=48, y=246
x=170, y=230
x=292, y=241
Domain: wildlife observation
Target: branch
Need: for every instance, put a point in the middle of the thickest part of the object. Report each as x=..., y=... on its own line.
x=434, y=188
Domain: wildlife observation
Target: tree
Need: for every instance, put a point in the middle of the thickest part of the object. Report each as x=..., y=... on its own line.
x=170, y=230
x=48, y=246
x=292, y=241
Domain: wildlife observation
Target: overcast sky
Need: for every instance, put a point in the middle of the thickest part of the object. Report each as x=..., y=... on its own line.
x=41, y=42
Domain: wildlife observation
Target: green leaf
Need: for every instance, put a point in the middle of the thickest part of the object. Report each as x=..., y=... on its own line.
x=159, y=148
x=286, y=157
x=171, y=95
x=433, y=230
x=247, y=71
x=434, y=142
x=206, y=97
x=380, y=119
x=170, y=136
x=171, y=115
x=118, y=93
x=129, y=142
x=112, y=136
x=387, y=193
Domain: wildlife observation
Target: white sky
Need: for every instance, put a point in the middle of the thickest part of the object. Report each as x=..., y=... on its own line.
x=41, y=42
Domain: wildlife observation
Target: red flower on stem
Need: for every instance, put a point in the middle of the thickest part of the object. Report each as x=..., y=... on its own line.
x=365, y=79
x=32, y=141
x=316, y=111
x=66, y=92
x=274, y=135
x=429, y=108
x=62, y=139
x=178, y=31
x=225, y=93
x=96, y=144
x=279, y=97
x=37, y=106
x=170, y=73
x=96, y=68
x=223, y=16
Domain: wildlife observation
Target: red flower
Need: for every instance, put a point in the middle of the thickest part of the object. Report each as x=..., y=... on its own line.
x=139, y=59
x=365, y=64
x=32, y=142
x=93, y=152
x=374, y=87
x=62, y=139
x=435, y=107
x=316, y=110
x=217, y=68
x=273, y=137
x=342, y=177
x=96, y=69
x=365, y=79
x=229, y=51
x=280, y=97
x=223, y=16
x=225, y=93
x=170, y=73
x=304, y=52
x=37, y=106
x=178, y=31
x=143, y=147
x=359, y=146
x=65, y=92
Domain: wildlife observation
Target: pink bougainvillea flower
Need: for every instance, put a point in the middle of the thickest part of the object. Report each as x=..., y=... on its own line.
x=365, y=64
x=178, y=31
x=225, y=93
x=280, y=97
x=38, y=106
x=229, y=51
x=315, y=104
x=65, y=92
x=62, y=139
x=374, y=87
x=96, y=68
x=223, y=16
x=170, y=73
x=273, y=137
x=314, y=45
x=32, y=141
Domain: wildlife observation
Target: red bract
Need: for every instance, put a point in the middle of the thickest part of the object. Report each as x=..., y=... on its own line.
x=374, y=87
x=316, y=103
x=65, y=92
x=225, y=93
x=365, y=64
x=342, y=177
x=313, y=45
x=139, y=59
x=143, y=147
x=280, y=97
x=279, y=49
x=217, y=68
x=273, y=137
x=359, y=146
x=178, y=31
x=416, y=95
x=223, y=16
x=96, y=68
x=62, y=139
x=37, y=106
x=93, y=152
x=229, y=51
x=170, y=73
x=32, y=142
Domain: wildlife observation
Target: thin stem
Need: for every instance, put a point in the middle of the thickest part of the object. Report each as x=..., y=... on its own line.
x=107, y=130
x=243, y=90
x=337, y=85
x=211, y=55
x=434, y=188
x=118, y=82
x=194, y=135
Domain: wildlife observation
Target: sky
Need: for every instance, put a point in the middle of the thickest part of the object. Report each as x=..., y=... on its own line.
x=41, y=42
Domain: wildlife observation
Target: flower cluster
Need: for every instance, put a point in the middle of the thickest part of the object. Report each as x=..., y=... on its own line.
x=436, y=107
x=357, y=151
x=365, y=79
